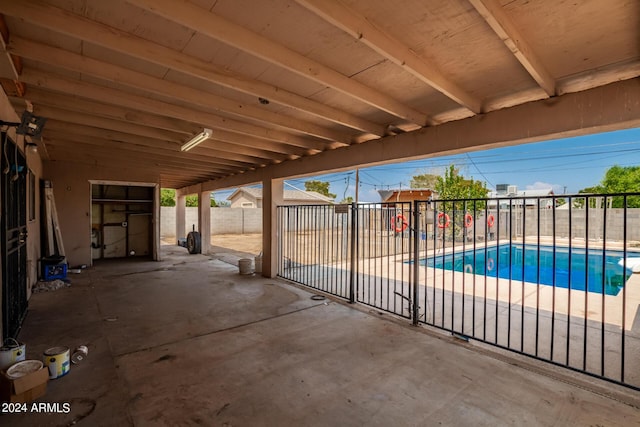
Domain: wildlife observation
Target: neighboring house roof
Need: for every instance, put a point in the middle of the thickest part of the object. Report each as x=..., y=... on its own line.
x=385, y=195
x=290, y=195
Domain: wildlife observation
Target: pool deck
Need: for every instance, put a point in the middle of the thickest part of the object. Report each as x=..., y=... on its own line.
x=526, y=317
x=189, y=341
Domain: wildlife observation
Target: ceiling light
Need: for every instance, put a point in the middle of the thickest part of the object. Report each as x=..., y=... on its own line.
x=199, y=138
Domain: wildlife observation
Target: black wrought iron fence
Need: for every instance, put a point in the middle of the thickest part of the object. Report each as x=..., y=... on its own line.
x=315, y=245
x=384, y=243
x=549, y=277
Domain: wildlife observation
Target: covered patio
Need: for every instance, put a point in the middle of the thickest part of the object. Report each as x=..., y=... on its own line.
x=206, y=346
x=205, y=95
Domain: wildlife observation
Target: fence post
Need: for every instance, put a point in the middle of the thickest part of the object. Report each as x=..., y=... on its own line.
x=416, y=262
x=353, y=239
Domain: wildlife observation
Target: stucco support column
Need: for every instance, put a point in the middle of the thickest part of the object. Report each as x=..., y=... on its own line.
x=181, y=212
x=204, y=220
x=272, y=196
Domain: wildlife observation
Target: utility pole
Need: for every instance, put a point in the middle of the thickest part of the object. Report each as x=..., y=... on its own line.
x=357, y=183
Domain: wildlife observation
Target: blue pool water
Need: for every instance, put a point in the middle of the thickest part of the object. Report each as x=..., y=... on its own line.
x=539, y=267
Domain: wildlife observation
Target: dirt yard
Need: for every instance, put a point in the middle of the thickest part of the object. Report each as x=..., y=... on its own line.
x=245, y=243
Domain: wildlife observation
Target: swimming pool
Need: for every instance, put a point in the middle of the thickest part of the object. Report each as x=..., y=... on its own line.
x=538, y=266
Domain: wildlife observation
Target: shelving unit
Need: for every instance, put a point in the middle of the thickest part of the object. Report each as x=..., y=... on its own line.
x=121, y=221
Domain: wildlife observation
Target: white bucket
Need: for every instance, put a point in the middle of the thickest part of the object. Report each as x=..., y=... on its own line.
x=244, y=265
x=258, y=264
x=12, y=353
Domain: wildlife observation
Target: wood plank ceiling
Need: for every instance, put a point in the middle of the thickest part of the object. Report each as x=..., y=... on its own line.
x=127, y=82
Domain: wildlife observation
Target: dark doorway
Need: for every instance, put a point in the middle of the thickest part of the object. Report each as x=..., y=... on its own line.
x=14, y=238
x=121, y=221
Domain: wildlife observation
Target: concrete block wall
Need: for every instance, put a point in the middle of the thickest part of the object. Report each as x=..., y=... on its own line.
x=223, y=221
x=614, y=223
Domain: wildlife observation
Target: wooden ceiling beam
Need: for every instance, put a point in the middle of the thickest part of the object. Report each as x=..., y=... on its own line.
x=215, y=155
x=118, y=97
x=217, y=144
x=62, y=21
x=362, y=29
x=206, y=100
x=126, y=154
x=600, y=76
x=170, y=149
x=166, y=181
x=189, y=177
x=213, y=143
x=248, y=141
x=73, y=103
x=503, y=26
x=214, y=26
x=93, y=132
x=66, y=154
x=110, y=124
x=187, y=158
x=89, y=132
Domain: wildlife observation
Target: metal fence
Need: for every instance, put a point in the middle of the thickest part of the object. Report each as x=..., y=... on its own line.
x=549, y=277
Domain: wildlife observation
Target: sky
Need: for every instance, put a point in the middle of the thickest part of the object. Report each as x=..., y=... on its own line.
x=565, y=165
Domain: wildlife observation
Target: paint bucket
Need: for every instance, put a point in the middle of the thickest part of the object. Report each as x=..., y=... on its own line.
x=79, y=354
x=11, y=353
x=56, y=359
x=244, y=265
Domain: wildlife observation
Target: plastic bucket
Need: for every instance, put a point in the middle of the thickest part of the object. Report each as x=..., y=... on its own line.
x=56, y=359
x=244, y=265
x=23, y=368
x=12, y=352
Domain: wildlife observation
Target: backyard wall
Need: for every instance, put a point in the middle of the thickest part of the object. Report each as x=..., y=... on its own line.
x=615, y=222
x=223, y=221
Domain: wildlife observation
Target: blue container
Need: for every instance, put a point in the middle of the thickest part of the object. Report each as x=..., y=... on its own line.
x=53, y=267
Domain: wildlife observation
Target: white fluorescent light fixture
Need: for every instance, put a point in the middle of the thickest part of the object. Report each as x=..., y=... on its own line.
x=198, y=139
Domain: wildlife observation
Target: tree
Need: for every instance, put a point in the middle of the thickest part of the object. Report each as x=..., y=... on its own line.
x=617, y=179
x=167, y=197
x=426, y=180
x=319, y=187
x=454, y=186
x=191, y=201
x=348, y=200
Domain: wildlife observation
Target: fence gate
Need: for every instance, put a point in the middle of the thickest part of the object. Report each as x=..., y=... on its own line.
x=361, y=254
x=316, y=247
x=555, y=278
x=384, y=246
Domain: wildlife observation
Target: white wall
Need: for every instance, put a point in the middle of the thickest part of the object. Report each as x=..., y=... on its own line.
x=223, y=221
x=72, y=191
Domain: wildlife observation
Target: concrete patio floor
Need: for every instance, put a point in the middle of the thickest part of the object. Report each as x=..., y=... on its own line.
x=188, y=341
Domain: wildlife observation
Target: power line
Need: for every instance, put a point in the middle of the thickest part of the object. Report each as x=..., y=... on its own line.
x=478, y=169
